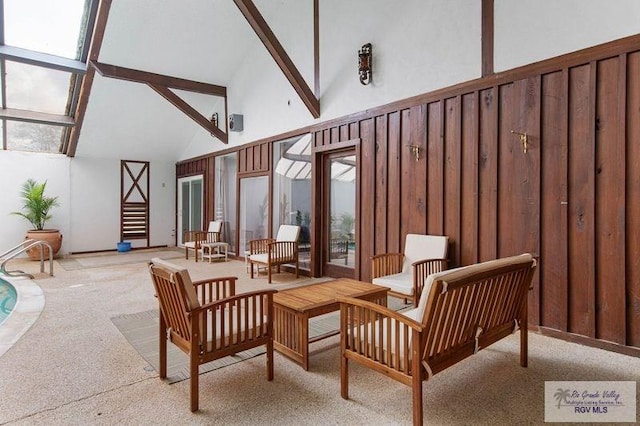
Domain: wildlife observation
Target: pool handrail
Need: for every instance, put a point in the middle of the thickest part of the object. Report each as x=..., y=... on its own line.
x=21, y=248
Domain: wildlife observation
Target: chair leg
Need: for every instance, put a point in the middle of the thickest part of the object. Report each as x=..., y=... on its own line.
x=193, y=381
x=251, y=269
x=162, y=349
x=524, y=338
x=270, y=360
x=344, y=377
x=416, y=385
x=186, y=253
x=269, y=273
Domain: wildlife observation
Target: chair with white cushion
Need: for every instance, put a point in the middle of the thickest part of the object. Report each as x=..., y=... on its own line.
x=207, y=320
x=460, y=312
x=405, y=273
x=193, y=240
x=271, y=252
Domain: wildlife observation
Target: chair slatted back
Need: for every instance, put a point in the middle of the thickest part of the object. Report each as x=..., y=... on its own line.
x=469, y=312
x=283, y=251
x=173, y=300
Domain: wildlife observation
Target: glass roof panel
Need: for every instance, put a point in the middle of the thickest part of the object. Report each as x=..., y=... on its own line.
x=37, y=89
x=45, y=26
x=22, y=136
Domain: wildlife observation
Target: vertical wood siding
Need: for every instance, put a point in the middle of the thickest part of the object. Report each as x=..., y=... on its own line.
x=573, y=199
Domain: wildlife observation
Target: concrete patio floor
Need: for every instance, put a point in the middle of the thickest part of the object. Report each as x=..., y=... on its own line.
x=74, y=367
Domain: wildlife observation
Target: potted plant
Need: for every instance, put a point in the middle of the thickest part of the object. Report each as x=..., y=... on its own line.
x=35, y=209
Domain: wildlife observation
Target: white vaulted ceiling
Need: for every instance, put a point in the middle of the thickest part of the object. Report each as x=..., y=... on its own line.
x=199, y=40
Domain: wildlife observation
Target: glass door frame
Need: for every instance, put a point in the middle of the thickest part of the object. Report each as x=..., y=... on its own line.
x=321, y=228
x=179, y=215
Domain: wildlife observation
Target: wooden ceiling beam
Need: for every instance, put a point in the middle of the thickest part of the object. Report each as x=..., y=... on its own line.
x=270, y=41
x=87, y=81
x=191, y=112
x=128, y=74
x=162, y=84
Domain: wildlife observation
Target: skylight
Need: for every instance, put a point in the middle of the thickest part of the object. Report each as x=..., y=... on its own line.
x=43, y=55
x=44, y=26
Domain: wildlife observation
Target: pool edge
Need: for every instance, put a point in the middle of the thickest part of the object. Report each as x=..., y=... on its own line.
x=29, y=306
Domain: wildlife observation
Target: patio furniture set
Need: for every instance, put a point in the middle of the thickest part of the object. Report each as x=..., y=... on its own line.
x=455, y=314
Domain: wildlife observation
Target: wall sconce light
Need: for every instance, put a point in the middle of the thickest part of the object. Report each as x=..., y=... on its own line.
x=416, y=151
x=214, y=119
x=365, y=64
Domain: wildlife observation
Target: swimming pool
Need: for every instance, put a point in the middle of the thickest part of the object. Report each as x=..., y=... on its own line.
x=8, y=297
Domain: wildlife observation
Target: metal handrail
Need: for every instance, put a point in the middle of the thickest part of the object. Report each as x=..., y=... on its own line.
x=21, y=248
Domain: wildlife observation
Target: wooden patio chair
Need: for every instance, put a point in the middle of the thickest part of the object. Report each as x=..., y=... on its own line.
x=405, y=273
x=207, y=320
x=461, y=311
x=269, y=252
x=193, y=240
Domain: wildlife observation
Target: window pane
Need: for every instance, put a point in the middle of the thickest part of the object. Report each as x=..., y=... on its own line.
x=33, y=137
x=45, y=26
x=343, y=211
x=254, y=210
x=225, y=198
x=36, y=88
x=292, y=191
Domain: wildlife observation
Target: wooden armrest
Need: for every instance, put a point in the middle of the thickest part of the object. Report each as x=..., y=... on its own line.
x=259, y=246
x=386, y=264
x=212, y=289
x=379, y=310
x=233, y=300
x=190, y=236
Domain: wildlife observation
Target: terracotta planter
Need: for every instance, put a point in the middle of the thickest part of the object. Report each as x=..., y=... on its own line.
x=51, y=236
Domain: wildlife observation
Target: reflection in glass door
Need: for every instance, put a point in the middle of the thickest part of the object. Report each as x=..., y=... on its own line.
x=254, y=210
x=340, y=211
x=190, y=208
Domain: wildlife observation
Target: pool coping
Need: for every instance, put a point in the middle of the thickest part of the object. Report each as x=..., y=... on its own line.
x=29, y=305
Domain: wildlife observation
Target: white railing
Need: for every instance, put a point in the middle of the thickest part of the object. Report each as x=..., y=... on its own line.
x=21, y=248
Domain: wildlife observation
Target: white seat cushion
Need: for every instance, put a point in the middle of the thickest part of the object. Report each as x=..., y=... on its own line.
x=420, y=247
x=215, y=226
x=288, y=233
x=400, y=283
x=190, y=244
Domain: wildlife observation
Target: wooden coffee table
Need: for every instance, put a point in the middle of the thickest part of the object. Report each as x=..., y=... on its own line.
x=293, y=308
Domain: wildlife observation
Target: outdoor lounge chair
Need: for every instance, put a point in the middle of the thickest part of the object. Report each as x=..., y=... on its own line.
x=207, y=320
x=269, y=252
x=193, y=240
x=405, y=273
x=461, y=311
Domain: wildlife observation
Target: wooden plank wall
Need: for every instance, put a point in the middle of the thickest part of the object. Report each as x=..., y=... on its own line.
x=573, y=199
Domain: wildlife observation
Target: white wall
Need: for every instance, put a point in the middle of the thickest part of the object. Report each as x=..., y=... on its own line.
x=528, y=31
x=15, y=168
x=418, y=46
x=95, y=204
x=88, y=192
x=413, y=52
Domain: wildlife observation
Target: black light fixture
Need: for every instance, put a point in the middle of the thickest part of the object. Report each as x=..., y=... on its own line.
x=214, y=119
x=365, y=64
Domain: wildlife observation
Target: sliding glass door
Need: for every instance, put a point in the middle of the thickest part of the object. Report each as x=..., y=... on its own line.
x=190, y=205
